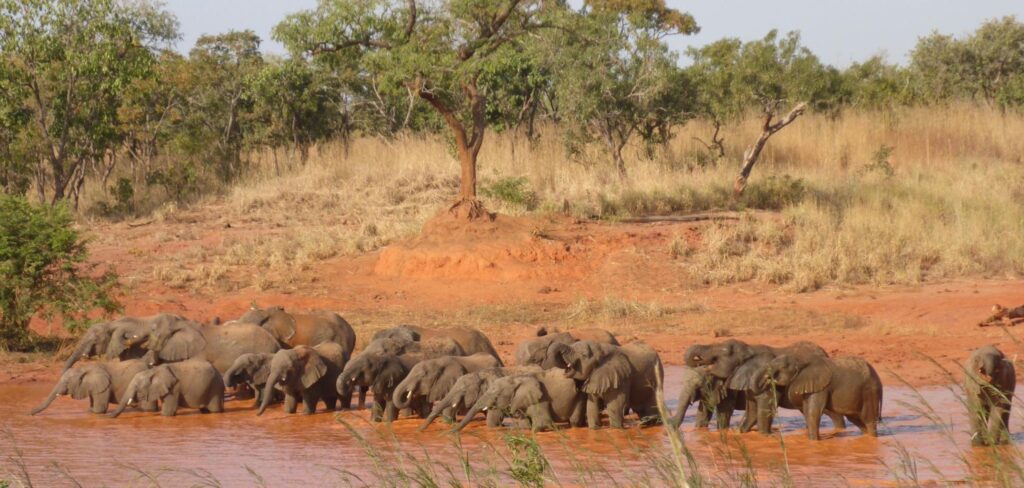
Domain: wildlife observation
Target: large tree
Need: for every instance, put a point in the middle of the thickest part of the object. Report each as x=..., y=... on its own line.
x=436, y=50
x=70, y=61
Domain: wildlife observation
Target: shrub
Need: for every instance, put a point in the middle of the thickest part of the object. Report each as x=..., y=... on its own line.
x=43, y=271
x=513, y=191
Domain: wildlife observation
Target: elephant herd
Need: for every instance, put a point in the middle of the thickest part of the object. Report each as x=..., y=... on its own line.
x=575, y=378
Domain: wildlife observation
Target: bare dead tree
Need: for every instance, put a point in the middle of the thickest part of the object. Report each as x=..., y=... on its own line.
x=753, y=152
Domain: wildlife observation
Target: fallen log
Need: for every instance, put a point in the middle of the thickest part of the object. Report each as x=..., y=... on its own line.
x=1002, y=316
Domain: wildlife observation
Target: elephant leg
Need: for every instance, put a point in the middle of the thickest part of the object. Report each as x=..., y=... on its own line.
x=150, y=406
x=978, y=414
x=814, y=407
x=290, y=403
x=494, y=418
x=724, y=415
x=390, y=412
x=309, y=399
x=170, y=407
x=998, y=421
x=616, y=408
x=703, y=418
x=837, y=420
x=100, y=401
x=578, y=417
x=362, y=397
x=765, y=414
x=377, y=411
x=593, y=413
x=345, y=398
x=749, y=419
x=216, y=404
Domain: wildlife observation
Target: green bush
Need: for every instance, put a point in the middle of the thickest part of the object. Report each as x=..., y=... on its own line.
x=775, y=193
x=528, y=463
x=43, y=271
x=514, y=191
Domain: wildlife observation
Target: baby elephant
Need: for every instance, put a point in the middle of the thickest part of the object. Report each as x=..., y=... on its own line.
x=250, y=369
x=541, y=398
x=101, y=383
x=192, y=384
x=308, y=373
x=431, y=379
x=845, y=386
x=990, y=382
x=698, y=386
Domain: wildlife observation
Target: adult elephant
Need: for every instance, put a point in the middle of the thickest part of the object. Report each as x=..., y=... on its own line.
x=542, y=398
x=309, y=329
x=306, y=373
x=190, y=384
x=102, y=383
x=429, y=380
x=619, y=378
x=536, y=351
x=220, y=345
x=109, y=338
x=471, y=341
x=379, y=373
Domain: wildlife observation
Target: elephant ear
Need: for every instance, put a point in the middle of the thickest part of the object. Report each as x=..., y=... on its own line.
x=186, y=341
x=280, y=323
x=96, y=381
x=314, y=370
x=613, y=371
x=813, y=378
x=745, y=376
x=161, y=383
x=444, y=382
x=527, y=393
x=76, y=383
x=556, y=356
x=261, y=374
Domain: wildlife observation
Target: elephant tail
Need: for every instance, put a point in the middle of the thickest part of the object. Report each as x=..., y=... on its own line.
x=59, y=388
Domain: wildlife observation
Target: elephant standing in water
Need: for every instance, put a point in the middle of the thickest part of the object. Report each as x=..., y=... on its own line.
x=468, y=389
x=989, y=385
x=814, y=384
x=470, y=341
x=191, y=384
x=114, y=339
x=698, y=386
x=542, y=399
x=536, y=351
x=220, y=345
x=250, y=369
x=308, y=373
x=429, y=380
x=102, y=383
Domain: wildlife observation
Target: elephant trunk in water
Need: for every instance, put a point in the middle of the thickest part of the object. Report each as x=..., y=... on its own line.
x=477, y=407
x=60, y=389
x=439, y=407
x=268, y=391
x=125, y=400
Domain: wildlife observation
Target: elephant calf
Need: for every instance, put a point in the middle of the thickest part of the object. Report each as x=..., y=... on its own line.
x=429, y=380
x=308, y=373
x=542, y=398
x=536, y=351
x=846, y=386
x=710, y=392
x=250, y=369
x=190, y=384
x=101, y=383
x=468, y=389
x=991, y=380
x=618, y=378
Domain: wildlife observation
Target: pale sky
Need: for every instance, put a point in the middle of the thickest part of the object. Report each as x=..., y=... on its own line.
x=838, y=31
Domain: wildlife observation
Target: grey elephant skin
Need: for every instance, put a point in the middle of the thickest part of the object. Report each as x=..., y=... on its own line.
x=846, y=386
x=536, y=351
x=251, y=369
x=220, y=345
x=619, y=378
x=542, y=399
x=696, y=386
x=114, y=339
x=306, y=373
x=468, y=389
x=989, y=385
x=308, y=329
x=102, y=383
x=379, y=373
x=430, y=379
x=190, y=384
x=471, y=341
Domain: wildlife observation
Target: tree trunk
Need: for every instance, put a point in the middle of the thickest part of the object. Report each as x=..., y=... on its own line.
x=753, y=152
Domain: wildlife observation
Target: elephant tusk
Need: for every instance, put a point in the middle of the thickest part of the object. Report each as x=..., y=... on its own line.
x=408, y=395
x=130, y=401
x=456, y=404
x=485, y=409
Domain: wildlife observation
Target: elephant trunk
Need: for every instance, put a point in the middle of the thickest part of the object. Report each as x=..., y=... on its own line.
x=268, y=392
x=434, y=413
x=60, y=389
x=152, y=358
x=229, y=377
x=121, y=405
x=477, y=407
x=402, y=395
x=76, y=355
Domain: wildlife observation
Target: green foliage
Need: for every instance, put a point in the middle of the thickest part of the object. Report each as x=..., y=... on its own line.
x=294, y=105
x=513, y=191
x=880, y=162
x=528, y=464
x=775, y=193
x=876, y=85
x=42, y=271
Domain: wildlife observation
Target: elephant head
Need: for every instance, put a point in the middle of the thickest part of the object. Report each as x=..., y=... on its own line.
x=721, y=359
x=126, y=335
x=173, y=340
x=405, y=332
x=147, y=386
x=275, y=320
x=379, y=372
x=536, y=351
x=431, y=379
x=462, y=395
x=987, y=363
x=94, y=342
x=79, y=383
x=511, y=395
x=801, y=375
x=601, y=367
x=298, y=368
x=251, y=368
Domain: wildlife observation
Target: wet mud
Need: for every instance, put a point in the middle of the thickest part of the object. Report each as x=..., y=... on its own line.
x=924, y=439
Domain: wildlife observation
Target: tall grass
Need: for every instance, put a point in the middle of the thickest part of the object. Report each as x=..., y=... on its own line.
x=867, y=197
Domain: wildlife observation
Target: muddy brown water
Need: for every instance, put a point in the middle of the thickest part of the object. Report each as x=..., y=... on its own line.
x=239, y=449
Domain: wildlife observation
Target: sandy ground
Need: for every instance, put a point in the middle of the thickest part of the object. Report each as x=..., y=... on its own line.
x=513, y=275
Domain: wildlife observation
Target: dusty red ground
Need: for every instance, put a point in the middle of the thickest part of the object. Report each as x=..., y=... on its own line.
x=509, y=276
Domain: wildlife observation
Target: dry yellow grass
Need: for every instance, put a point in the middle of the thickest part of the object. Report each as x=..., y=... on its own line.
x=953, y=204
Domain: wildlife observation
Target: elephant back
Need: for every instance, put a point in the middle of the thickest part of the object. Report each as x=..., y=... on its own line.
x=646, y=370
x=122, y=372
x=334, y=355
x=225, y=343
x=472, y=341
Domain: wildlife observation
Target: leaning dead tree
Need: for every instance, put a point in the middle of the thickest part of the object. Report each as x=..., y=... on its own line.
x=753, y=152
